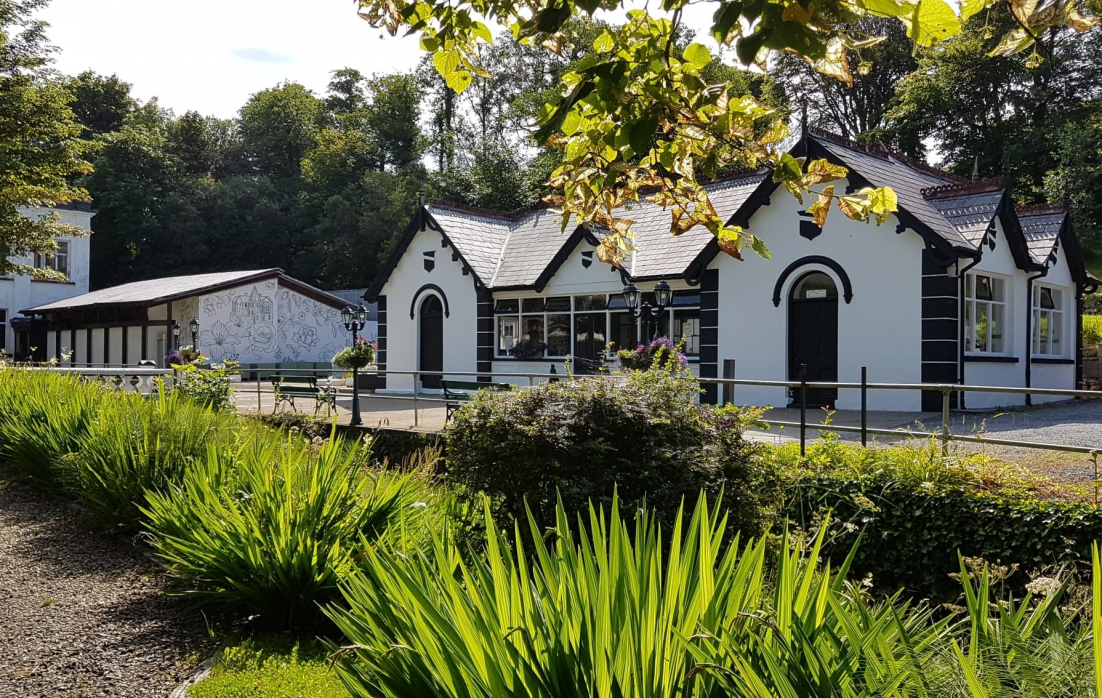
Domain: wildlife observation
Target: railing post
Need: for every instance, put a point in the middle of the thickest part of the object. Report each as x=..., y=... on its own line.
x=864, y=405
x=803, y=410
x=416, y=383
x=259, y=407
x=945, y=393
x=728, y=388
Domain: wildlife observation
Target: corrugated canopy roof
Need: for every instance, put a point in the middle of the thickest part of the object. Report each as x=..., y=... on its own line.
x=156, y=291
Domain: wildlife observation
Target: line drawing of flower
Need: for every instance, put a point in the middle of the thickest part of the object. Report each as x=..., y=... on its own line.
x=306, y=336
x=261, y=337
x=218, y=342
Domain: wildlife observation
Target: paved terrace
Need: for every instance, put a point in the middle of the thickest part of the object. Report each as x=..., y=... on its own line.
x=398, y=412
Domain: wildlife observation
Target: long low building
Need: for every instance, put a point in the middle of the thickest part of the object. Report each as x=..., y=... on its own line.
x=259, y=316
x=957, y=286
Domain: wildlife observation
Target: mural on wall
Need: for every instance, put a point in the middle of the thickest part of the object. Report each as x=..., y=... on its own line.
x=263, y=323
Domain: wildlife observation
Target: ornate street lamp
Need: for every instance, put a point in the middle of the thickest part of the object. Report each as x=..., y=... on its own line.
x=175, y=335
x=194, y=327
x=662, y=296
x=355, y=320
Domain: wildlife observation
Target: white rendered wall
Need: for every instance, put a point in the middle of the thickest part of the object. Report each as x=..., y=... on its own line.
x=22, y=292
x=881, y=328
x=402, y=331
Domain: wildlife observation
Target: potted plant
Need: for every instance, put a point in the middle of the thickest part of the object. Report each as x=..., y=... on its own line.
x=359, y=355
x=528, y=349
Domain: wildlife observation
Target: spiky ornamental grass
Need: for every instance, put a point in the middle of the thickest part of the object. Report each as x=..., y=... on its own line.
x=139, y=445
x=269, y=529
x=617, y=611
x=43, y=416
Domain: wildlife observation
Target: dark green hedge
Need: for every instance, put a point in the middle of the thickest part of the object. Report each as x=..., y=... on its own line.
x=910, y=532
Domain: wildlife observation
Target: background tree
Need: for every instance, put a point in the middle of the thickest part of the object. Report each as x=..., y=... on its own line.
x=41, y=148
x=858, y=110
x=100, y=103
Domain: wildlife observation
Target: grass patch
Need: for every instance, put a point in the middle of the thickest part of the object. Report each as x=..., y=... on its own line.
x=274, y=667
x=1092, y=330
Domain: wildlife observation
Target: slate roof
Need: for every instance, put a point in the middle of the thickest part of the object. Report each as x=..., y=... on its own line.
x=1042, y=226
x=659, y=253
x=883, y=168
x=970, y=208
x=514, y=250
x=156, y=291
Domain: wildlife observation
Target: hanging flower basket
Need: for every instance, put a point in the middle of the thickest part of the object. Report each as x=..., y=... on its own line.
x=357, y=356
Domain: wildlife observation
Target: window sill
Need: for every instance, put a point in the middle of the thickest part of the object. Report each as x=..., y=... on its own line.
x=1052, y=360
x=53, y=281
x=994, y=359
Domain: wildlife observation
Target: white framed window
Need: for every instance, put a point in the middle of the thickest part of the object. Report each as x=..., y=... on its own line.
x=581, y=325
x=58, y=261
x=985, y=328
x=1048, y=321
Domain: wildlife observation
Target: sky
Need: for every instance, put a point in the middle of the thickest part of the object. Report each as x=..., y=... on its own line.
x=210, y=55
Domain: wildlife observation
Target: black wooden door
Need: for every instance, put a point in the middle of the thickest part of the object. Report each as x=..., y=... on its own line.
x=589, y=342
x=432, y=341
x=813, y=342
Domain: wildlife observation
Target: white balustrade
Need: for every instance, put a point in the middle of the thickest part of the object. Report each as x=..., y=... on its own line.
x=129, y=379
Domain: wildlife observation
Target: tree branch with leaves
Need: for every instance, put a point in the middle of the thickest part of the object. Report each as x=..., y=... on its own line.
x=635, y=120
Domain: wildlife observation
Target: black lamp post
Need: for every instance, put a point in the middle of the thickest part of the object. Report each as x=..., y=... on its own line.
x=354, y=321
x=194, y=327
x=175, y=335
x=662, y=296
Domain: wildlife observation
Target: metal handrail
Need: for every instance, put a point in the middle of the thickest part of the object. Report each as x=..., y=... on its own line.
x=946, y=389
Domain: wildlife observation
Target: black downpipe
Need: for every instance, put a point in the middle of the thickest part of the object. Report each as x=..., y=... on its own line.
x=960, y=326
x=1029, y=333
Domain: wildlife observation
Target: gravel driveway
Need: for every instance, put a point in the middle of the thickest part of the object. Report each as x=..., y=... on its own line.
x=1072, y=423
x=81, y=612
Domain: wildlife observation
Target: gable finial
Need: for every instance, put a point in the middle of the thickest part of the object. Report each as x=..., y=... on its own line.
x=976, y=169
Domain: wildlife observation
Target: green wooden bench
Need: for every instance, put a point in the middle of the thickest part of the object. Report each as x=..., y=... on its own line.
x=287, y=388
x=458, y=392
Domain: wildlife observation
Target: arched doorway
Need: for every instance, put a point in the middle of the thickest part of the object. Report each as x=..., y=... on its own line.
x=431, y=349
x=813, y=335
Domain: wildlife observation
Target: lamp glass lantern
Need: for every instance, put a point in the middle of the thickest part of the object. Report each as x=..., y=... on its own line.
x=193, y=326
x=361, y=315
x=631, y=296
x=175, y=329
x=662, y=294
x=346, y=317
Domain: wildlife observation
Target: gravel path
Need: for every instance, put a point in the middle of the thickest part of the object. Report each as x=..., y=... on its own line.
x=81, y=612
x=1073, y=423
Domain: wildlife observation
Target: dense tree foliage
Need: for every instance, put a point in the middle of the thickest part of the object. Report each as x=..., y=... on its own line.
x=321, y=185
x=40, y=140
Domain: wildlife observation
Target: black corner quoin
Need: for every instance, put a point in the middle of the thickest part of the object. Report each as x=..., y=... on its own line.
x=420, y=292
x=847, y=287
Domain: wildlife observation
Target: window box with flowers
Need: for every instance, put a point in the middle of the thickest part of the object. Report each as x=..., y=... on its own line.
x=528, y=349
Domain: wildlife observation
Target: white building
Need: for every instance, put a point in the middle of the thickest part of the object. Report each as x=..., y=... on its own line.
x=20, y=291
x=957, y=287
x=254, y=317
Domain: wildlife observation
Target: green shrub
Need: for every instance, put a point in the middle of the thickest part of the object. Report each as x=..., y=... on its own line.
x=139, y=445
x=269, y=529
x=641, y=435
x=271, y=668
x=43, y=416
x=1092, y=330
x=914, y=509
x=205, y=385
x=619, y=611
